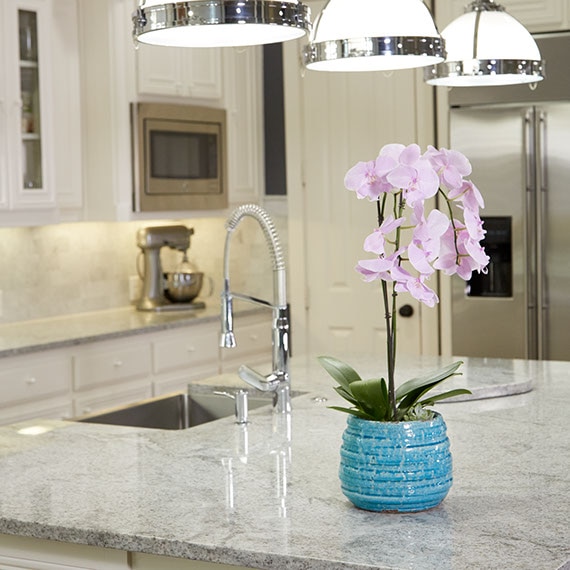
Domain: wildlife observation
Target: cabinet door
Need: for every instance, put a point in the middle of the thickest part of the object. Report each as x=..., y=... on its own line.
x=244, y=104
x=177, y=72
x=20, y=553
x=29, y=101
x=535, y=15
x=158, y=70
x=33, y=386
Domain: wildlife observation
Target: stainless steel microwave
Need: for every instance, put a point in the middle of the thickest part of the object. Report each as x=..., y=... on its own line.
x=179, y=154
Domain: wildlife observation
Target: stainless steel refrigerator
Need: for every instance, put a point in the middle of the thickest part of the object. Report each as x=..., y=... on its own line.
x=518, y=141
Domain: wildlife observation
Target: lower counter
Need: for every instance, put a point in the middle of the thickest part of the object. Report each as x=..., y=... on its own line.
x=267, y=495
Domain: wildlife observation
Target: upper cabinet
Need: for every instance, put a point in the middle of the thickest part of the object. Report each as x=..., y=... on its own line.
x=116, y=73
x=536, y=15
x=40, y=162
x=192, y=73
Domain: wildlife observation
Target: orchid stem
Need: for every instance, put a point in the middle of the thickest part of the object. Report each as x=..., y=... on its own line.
x=390, y=323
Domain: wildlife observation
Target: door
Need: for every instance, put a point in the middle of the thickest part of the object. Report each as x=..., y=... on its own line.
x=343, y=118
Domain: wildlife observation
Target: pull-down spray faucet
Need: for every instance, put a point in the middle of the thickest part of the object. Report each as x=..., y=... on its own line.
x=278, y=380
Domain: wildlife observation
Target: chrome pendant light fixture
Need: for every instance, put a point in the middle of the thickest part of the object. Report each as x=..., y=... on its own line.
x=371, y=35
x=487, y=46
x=220, y=23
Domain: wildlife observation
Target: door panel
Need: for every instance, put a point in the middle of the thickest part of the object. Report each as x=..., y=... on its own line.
x=347, y=118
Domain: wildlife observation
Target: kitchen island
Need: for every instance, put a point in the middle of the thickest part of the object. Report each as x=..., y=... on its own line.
x=266, y=495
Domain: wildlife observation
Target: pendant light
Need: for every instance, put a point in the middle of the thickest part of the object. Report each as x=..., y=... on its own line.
x=220, y=23
x=487, y=46
x=370, y=35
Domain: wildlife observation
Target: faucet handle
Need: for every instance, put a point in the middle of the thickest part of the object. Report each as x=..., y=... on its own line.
x=267, y=383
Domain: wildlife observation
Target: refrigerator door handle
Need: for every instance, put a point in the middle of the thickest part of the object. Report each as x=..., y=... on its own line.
x=541, y=198
x=531, y=245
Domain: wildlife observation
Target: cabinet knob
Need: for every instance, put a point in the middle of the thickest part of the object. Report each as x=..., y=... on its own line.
x=191, y=349
x=253, y=336
x=117, y=363
x=31, y=381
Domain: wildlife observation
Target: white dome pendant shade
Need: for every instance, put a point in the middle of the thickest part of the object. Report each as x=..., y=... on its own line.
x=486, y=46
x=220, y=23
x=371, y=35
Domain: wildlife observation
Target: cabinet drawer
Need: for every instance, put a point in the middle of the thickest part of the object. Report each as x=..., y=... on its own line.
x=187, y=349
x=59, y=408
x=97, y=365
x=31, y=381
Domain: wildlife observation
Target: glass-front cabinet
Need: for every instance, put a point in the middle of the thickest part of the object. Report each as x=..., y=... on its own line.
x=26, y=106
x=31, y=100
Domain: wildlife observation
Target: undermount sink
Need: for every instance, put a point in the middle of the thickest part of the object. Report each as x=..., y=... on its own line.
x=175, y=411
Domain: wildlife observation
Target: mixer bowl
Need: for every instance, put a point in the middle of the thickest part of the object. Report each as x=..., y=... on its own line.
x=182, y=287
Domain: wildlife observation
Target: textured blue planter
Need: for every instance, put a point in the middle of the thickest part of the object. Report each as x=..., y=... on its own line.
x=395, y=466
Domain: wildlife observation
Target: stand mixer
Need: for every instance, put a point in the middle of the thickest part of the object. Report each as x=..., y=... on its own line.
x=151, y=241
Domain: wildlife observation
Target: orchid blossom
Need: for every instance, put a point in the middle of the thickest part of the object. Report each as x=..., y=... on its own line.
x=409, y=249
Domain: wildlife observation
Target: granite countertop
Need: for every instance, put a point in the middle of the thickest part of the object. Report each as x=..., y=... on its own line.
x=57, y=332
x=267, y=495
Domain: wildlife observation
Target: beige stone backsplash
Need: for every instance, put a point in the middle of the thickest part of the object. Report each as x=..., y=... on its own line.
x=74, y=268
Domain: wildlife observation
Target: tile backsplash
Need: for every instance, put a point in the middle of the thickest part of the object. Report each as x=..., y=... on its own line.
x=65, y=269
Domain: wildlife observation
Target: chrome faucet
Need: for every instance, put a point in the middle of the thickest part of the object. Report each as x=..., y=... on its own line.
x=278, y=380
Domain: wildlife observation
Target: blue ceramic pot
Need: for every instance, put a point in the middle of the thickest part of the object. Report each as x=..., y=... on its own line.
x=395, y=466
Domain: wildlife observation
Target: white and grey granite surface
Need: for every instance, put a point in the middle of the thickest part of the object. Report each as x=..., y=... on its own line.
x=267, y=496
x=57, y=332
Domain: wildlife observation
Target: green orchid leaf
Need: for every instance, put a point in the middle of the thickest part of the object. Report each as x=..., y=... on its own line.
x=411, y=392
x=372, y=396
x=355, y=412
x=346, y=395
x=430, y=380
x=344, y=374
x=443, y=396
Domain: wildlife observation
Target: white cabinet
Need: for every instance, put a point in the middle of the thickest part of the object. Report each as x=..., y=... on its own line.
x=536, y=15
x=78, y=380
x=21, y=553
x=108, y=374
x=192, y=73
x=39, y=108
x=34, y=386
x=33, y=554
x=244, y=104
x=115, y=74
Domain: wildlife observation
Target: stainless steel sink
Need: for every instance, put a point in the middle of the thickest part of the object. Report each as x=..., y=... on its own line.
x=174, y=411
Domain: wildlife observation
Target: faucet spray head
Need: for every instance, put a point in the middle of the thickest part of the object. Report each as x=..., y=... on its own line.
x=227, y=339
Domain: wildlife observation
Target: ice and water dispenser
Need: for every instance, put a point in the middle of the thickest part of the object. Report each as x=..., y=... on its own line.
x=498, y=281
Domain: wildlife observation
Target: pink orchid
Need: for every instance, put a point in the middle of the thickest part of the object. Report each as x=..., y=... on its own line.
x=379, y=268
x=428, y=232
x=474, y=225
x=376, y=241
x=367, y=179
x=418, y=182
x=451, y=165
x=461, y=254
x=407, y=283
x=469, y=195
